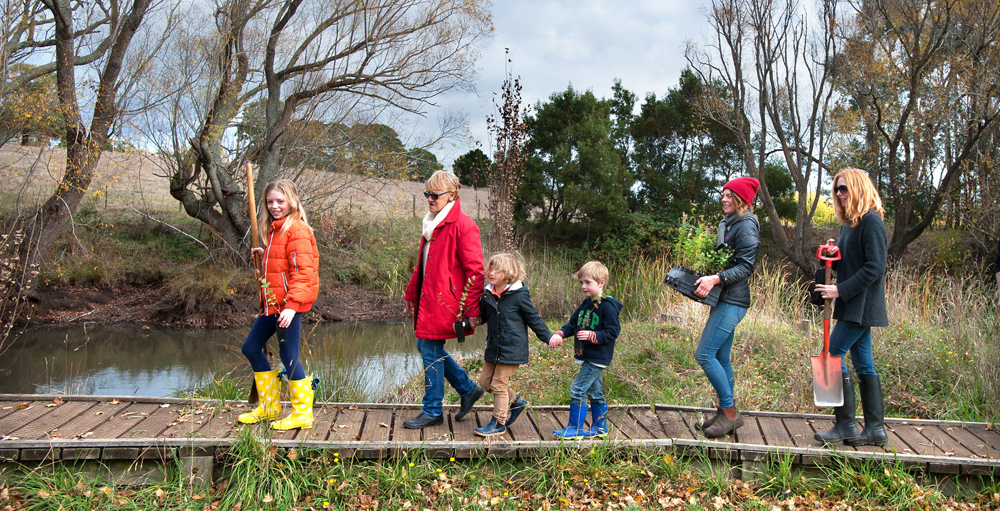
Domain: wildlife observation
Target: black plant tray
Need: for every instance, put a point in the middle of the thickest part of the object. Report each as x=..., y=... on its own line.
x=682, y=279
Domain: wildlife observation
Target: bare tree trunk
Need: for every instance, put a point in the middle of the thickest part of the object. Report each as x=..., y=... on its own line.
x=83, y=147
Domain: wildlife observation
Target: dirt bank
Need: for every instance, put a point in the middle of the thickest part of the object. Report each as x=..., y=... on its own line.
x=76, y=305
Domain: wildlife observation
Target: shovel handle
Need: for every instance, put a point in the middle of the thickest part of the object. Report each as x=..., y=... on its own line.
x=828, y=260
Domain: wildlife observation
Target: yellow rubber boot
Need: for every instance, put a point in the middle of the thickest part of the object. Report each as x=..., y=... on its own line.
x=269, y=398
x=301, y=393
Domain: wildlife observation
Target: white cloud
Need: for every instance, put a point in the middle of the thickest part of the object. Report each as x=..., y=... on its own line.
x=586, y=43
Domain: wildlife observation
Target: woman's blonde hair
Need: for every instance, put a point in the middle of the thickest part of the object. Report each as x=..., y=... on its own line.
x=444, y=181
x=741, y=207
x=861, y=196
x=510, y=264
x=295, y=212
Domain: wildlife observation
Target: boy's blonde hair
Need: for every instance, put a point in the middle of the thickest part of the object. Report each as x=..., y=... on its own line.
x=510, y=264
x=861, y=196
x=595, y=270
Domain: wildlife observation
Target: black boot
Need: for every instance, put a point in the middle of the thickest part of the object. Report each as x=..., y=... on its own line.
x=846, y=427
x=874, y=409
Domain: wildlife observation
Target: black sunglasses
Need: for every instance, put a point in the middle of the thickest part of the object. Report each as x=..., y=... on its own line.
x=433, y=196
x=841, y=189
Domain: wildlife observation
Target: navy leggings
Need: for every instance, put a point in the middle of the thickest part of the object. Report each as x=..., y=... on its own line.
x=262, y=330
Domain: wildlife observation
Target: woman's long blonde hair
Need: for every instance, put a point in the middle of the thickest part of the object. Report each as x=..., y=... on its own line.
x=861, y=196
x=295, y=214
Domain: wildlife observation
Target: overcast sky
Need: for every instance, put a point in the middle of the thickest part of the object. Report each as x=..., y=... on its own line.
x=586, y=43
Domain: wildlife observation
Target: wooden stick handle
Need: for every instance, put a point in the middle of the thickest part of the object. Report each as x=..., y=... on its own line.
x=254, y=235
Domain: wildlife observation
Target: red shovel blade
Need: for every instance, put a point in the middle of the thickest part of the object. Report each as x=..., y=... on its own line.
x=828, y=387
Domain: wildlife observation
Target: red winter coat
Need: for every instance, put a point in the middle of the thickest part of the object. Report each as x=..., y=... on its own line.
x=454, y=264
x=291, y=267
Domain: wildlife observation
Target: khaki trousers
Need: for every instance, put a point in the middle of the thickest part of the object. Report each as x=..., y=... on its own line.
x=494, y=379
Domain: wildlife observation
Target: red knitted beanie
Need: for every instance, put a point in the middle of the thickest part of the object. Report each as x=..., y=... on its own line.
x=745, y=187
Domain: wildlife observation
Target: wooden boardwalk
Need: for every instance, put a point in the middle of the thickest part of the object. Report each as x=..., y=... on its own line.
x=36, y=428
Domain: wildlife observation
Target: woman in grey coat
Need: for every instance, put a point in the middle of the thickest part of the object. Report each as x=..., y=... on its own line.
x=739, y=232
x=860, y=304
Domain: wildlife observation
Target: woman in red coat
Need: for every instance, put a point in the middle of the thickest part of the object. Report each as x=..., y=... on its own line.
x=445, y=288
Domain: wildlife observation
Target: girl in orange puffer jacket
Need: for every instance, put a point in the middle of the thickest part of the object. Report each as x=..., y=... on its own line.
x=289, y=287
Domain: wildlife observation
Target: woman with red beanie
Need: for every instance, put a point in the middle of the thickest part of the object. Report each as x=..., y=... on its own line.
x=739, y=232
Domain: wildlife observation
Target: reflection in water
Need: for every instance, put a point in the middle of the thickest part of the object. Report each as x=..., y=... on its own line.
x=362, y=359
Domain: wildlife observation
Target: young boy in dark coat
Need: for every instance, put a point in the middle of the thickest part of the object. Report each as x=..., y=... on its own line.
x=507, y=312
x=595, y=325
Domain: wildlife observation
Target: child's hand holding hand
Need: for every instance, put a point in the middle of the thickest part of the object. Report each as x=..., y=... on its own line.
x=555, y=341
x=587, y=335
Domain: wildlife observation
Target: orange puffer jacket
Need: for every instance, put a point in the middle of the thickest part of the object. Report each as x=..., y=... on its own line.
x=291, y=264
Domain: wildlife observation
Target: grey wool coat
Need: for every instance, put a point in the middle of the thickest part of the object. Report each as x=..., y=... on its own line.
x=507, y=320
x=861, y=272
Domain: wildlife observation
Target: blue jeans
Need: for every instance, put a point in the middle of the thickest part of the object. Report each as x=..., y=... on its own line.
x=856, y=338
x=262, y=330
x=713, y=350
x=439, y=366
x=588, y=383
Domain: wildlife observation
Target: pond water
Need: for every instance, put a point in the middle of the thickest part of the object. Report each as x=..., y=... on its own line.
x=135, y=360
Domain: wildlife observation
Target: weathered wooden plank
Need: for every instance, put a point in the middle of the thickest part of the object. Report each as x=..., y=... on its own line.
x=774, y=432
x=155, y=423
x=523, y=430
x=649, y=421
x=223, y=423
x=619, y=432
x=673, y=425
x=8, y=407
x=47, y=426
x=916, y=443
x=626, y=424
x=90, y=419
x=22, y=416
x=948, y=446
x=545, y=422
x=188, y=420
x=376, y=428
x=749, y=433
x=127, y=419
x=323, y=417
x=442, y=432
x=802, y=434
x=973, y=443
x=461, y=431
x=986, y=433
x=347, y=425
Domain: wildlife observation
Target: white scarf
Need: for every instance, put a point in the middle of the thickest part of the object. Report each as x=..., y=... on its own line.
x=431, y=221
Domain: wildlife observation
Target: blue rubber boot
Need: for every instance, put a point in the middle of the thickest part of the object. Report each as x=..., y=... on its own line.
x=598, y=420
x=491, y=429
x=575, y=426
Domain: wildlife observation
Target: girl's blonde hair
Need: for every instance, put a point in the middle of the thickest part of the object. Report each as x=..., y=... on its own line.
x=295, y=213
x=861, y=196
x=444, y=181
x=510, y=264
x=594, y=270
